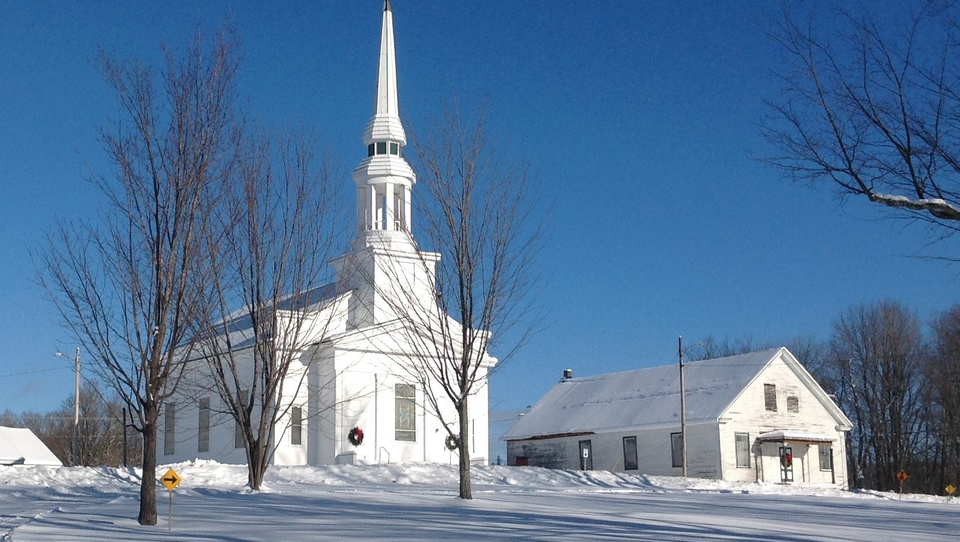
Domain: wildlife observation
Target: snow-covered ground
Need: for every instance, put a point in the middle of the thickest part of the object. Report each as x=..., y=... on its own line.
x=417, y=502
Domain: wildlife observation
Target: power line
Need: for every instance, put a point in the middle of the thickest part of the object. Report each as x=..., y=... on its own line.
x=35, y=371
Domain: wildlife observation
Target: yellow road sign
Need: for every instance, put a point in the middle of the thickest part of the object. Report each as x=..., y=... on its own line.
x=902, y=476
x=170, y=480
x=950, y=489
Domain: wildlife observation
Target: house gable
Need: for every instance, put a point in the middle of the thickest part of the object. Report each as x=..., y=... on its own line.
x=806, y=387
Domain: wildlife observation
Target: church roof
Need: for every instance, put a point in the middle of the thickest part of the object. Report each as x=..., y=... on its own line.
x=643, y=398
x=240, y=326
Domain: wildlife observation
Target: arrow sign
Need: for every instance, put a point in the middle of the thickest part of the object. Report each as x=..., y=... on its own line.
x=170, y=480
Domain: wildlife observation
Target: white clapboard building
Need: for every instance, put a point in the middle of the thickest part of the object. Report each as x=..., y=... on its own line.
x=354, y=372
x=753, y=417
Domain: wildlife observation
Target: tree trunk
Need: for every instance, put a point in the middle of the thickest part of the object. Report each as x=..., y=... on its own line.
x=256, y=465
x=466, y=491
x=148, y=483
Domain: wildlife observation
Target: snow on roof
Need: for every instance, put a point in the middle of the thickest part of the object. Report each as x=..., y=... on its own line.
x=21, y=447
x=794, y=436
x=641, y=398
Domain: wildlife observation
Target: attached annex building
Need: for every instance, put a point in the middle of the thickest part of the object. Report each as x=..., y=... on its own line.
x=753, y=417
x=354, y=373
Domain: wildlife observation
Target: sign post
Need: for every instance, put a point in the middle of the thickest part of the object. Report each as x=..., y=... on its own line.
x=902, y=476
x=170, y=480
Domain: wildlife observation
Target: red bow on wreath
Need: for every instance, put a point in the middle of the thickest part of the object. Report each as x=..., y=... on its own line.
x=787, y=460
x=356, y=436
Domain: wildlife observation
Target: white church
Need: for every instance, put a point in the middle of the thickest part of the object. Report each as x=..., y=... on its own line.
x=354, y=375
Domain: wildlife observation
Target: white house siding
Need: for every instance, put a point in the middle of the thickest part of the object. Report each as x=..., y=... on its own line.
x=654, y=451
x=748, y=414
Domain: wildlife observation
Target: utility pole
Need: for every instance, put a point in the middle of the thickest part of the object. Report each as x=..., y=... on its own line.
x=683, y=408
x=75, y=445
x=76, y=415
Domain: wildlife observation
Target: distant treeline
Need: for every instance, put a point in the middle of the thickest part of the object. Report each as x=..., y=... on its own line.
x=100, y=430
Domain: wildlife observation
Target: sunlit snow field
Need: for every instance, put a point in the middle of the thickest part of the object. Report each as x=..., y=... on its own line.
x=418, y=502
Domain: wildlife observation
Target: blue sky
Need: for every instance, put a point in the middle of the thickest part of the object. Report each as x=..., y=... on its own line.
x=638, y=118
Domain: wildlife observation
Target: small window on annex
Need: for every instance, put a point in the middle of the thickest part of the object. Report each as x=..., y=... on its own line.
x=826, y=457
x=405, y=423
x=793, y=400
x=770, y=397
x=203, y=426
x=630, y=453
x=169, y=428
x=676, y=449
x=296, y=426
x=743, y=449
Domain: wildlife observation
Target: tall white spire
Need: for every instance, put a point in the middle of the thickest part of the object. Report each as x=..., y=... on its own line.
x=384, y=179
x=385, y=123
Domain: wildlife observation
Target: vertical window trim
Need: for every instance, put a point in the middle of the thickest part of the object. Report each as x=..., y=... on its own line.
x=627, y=459
x=745, y=438
x=169, y=428
x=203, y=425
x=676, y=449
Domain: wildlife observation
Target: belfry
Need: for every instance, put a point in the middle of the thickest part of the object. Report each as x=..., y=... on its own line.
x=384, y=179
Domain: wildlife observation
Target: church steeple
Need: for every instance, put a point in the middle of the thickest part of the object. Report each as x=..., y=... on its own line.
x=384, y=179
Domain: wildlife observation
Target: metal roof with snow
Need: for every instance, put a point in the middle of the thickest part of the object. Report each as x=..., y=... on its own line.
x=20, y=446
x=642, y=398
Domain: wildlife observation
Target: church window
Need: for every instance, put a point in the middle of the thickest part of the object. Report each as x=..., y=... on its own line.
x=406, y=412
x=395, y=148
x=370, y=149
x=203, y=433
x=296, y=426
x=238, y=429
x=169, y=428
x=381, y=147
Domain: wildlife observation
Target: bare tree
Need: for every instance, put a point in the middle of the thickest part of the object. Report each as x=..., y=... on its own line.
x=871, y=109
x=943, y=377
x=482, y=217
x=126, y=286
x=269, y=247
x=710, y=347
x=878, y=364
